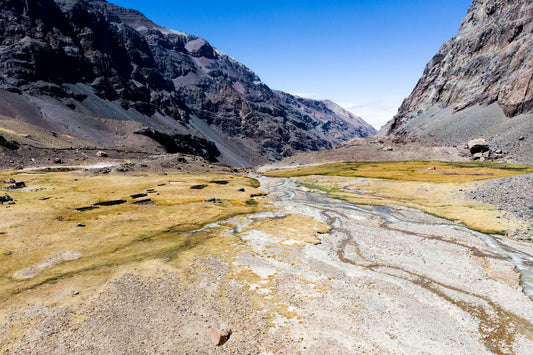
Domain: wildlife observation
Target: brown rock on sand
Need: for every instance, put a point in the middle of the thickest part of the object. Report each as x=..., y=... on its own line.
x=219, y=337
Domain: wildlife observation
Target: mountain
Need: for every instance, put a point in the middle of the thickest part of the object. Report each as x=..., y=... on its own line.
x=89, y=73
x=479, y=84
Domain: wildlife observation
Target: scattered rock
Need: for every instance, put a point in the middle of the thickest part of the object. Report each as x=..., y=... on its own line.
x=219, y=337
x=257, y=195
x=17, y=185
x=478, y=156
x=5, y=198
x=213, y=200
x=12, y=145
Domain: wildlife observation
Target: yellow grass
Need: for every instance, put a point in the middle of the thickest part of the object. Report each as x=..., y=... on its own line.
x=42, y=233
x=5, y=130
x=411, y=171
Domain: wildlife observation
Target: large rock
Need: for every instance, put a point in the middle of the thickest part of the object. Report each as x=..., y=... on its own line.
x=478, y=146
x=476, y=82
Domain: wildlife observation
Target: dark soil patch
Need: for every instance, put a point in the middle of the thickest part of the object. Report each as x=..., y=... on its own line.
x=138, y=195
x=110, y=203
x=88, y=208
x=144, y=202
x=198, y=187
x=219, y=182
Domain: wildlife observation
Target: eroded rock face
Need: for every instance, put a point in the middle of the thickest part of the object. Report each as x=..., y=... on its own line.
x=100, y=60
x=488, y=63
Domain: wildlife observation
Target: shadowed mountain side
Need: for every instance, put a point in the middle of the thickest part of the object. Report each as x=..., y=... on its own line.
x=99, y=73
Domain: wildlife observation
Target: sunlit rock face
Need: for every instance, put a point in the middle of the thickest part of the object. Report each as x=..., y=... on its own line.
x=479, y=83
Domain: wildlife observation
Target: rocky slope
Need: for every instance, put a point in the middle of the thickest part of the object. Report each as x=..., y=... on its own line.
x=105, y=76
x=479, y=84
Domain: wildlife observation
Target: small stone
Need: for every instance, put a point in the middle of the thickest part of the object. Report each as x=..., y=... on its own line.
x=57, y=160
x=80, y=225
x=219, y=337
x=101, y=154
x=8, y=252
x=241, y=189
x=76, y=292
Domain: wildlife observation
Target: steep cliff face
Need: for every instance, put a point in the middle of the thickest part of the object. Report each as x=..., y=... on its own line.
x=80, y=66
x=479, y=83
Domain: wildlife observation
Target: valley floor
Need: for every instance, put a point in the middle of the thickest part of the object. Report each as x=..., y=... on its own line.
x=292, y=272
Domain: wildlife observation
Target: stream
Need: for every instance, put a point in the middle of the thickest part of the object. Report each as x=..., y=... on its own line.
x=522, y=261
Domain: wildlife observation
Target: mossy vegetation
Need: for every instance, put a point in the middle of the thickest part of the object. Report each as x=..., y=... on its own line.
x=412, y=184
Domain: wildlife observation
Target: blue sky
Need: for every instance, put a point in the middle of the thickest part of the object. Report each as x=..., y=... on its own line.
x=365, y=55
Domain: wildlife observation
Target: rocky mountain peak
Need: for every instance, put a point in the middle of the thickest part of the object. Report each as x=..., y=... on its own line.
x=485, y=70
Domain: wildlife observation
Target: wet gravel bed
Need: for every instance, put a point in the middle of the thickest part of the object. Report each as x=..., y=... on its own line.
x=512, y=194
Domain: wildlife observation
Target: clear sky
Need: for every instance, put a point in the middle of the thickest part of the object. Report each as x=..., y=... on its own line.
x=365, y=55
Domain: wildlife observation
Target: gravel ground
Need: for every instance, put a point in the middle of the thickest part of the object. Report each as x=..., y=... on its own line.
x=512, y=194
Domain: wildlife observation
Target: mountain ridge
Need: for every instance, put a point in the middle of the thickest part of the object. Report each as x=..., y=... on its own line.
x=94, y=68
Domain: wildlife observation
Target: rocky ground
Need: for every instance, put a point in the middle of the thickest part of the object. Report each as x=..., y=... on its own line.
x=513, y=194
x=116, y=160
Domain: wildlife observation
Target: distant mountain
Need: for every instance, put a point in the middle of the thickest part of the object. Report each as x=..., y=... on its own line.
x=92, y=73
x=479, y=84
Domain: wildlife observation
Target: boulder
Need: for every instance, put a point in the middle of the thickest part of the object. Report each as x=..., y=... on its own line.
x=101, y=154
x=478, y=146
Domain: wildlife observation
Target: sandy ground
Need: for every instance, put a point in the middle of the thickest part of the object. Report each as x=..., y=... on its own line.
x=382, y=280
